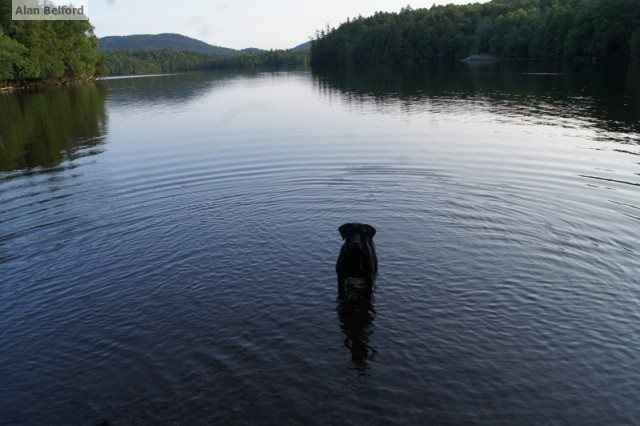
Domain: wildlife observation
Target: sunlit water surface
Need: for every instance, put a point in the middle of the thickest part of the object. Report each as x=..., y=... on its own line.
x=167, y=248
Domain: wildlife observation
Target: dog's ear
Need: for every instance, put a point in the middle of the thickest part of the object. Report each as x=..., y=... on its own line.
x=371, y=231
x=344, y=229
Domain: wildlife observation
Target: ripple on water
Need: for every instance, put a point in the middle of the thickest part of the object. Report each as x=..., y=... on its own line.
x=195, y=280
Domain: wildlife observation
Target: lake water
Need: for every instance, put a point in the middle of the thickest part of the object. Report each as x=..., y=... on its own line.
x=167, y=247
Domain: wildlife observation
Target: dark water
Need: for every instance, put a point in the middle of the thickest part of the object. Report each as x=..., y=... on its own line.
x=167, y=247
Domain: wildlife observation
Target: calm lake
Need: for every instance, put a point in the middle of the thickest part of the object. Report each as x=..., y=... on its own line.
x=168, y=244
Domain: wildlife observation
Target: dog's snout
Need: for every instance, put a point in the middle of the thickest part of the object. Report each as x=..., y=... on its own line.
x=355, y=243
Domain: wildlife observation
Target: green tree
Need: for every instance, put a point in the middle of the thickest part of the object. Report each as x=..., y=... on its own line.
x=11, y=56
x=60, y=50
x=522, y=29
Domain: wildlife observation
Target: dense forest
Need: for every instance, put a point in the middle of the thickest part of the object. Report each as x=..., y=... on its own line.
x=46, y=50
x=588, y=30
x=123, y=62
x=605, y=30
x=166, y=53
x=61, y=51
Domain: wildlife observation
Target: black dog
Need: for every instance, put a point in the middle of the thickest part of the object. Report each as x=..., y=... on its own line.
x=357, y=257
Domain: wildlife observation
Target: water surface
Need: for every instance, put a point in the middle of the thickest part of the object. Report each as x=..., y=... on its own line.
x=167, y=247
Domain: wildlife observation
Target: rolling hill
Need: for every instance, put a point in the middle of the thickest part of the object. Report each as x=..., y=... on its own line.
x=162, y=41
x=176, y=42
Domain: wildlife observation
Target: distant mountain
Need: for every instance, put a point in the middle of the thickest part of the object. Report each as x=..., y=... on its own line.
x=162, y=41
x=302, y=47
x=175, y=42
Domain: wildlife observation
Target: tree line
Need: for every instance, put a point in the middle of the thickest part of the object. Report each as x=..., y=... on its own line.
x=62, y=51
x=42, y=50
x=126, y=62
x=607, y=30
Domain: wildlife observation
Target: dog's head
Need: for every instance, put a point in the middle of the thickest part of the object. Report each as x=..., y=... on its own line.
x=356, y=236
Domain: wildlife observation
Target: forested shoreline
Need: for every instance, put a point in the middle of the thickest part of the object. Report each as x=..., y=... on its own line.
x=558, y=30
x=36, y=52
x=46, y=52
x=124, y=62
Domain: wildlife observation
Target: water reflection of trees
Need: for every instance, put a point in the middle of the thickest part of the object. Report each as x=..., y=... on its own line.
x=605, y=97
x=167, y=89
x=356, y=317
x=46, y=128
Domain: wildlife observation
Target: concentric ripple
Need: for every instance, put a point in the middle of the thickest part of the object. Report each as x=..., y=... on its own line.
x=175, y=264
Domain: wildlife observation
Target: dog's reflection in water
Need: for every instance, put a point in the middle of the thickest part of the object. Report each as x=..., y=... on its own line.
x=355, y=307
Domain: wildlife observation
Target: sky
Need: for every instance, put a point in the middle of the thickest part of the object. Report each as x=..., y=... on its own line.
x=238, y=24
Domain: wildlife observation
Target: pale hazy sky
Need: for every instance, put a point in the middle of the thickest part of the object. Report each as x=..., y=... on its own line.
x=265, y=24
